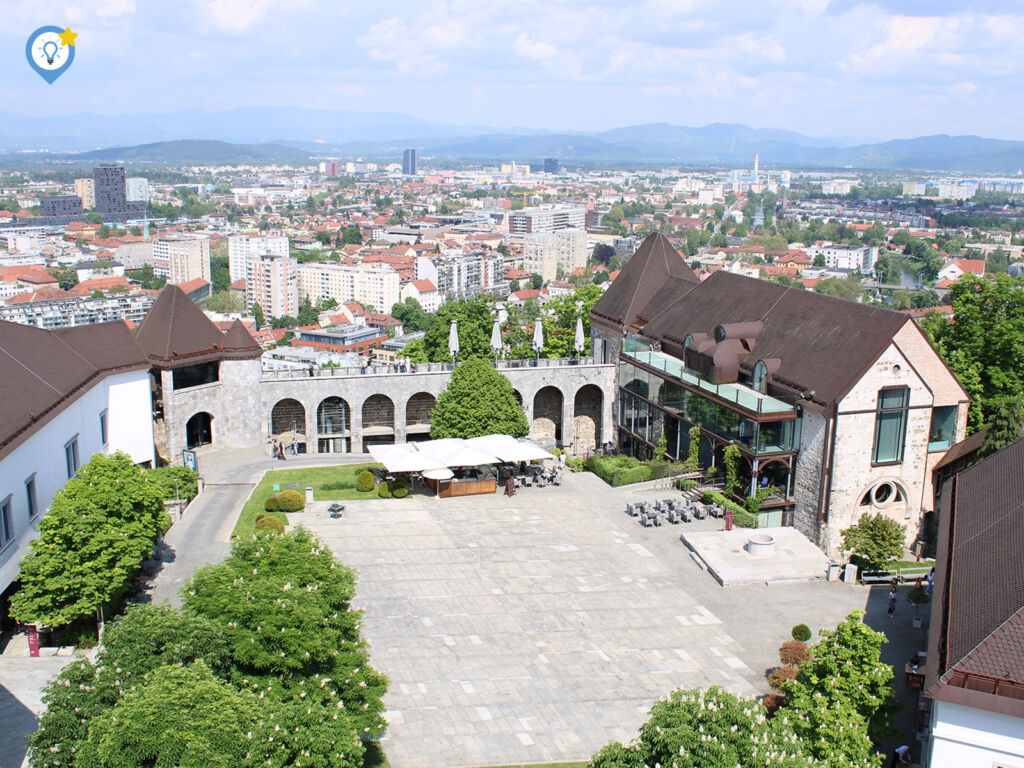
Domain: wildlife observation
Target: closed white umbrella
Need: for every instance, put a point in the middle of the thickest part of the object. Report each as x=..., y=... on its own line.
x=579, y=343
x=496, y=339
x=453, y=340
x=538, y=337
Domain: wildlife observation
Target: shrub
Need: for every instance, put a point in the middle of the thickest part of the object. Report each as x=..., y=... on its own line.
x=877, y=539
x=780, y=675
x=793, y=652
x=337, y=485
x=629, y=476
x=687, y=484
x=802, y=633
x=384, y=490
x=365, y=481
x=399, y=482
x=270, y=505
x=290, y=501
x=400, y=493
x=268, y=523
x=740, y=516
x=773, y=701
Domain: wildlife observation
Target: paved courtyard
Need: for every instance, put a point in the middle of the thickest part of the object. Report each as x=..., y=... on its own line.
x=538, y=628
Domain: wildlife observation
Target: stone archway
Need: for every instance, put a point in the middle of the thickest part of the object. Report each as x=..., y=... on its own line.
x=417, y=416
x=586, y=419
x=547, y=415
x=288, y=425
x=333, y=426
x=199, y=430
x=378, y=420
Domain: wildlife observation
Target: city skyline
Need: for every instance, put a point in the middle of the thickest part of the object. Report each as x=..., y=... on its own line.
x=872, y=71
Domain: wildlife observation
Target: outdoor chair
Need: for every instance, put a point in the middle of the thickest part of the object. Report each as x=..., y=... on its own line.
x=673, y=516
x=657, y=520
x=700, y=512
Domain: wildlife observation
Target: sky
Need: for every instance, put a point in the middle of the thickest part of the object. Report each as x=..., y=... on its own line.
x=833, y=68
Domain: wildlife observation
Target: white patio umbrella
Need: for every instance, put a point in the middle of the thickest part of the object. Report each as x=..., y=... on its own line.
x=413, y=462
x=496, y=339
x=383, y=454
x=524, y=451
x=538, y=337
x=491, y=443
x=439, y=475
x=578, y=343
x=453, y=340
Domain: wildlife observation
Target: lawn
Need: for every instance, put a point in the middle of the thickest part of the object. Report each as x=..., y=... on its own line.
x=298, y=479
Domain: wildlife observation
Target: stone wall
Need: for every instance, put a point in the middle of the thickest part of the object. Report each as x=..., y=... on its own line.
x=807, y=477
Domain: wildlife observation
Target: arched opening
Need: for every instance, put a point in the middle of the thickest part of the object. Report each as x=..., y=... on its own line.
x=417, y=416
x=333, y=426
x=288, y=425
x=199, y=430
x=586, y=418
x=519, y=396
x=378, y=420
x=547, y=415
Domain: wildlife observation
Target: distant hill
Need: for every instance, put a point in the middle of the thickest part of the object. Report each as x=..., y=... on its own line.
x=197, y=152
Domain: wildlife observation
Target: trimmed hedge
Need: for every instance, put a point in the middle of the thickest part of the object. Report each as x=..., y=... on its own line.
x=802, y=633
x=269, y=523
x=740, y=516
x=290, y=501
x=400, y=493
x=270, y=504
x=365, y=481
x=687, y=484
x=384, y=490
x=338, y=485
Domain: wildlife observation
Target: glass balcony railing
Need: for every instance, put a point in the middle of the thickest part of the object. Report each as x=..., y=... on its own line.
x=738, y=394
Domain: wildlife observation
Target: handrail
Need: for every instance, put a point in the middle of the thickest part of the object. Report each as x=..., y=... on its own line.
x=274, y=374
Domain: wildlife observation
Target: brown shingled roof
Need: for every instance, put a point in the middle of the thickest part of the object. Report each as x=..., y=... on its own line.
x=45, y=370
x=654, y=264
x=176, y=332
x=238, y=342
x=976, y=643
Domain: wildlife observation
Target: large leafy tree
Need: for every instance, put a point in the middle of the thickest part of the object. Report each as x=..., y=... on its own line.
x=1004, y=427
x=877, y=539
x=477, y=401
x=707, y=729
x=985, y=346
x=144, y=639
x=101, y=525
x=475, y=318
x=560, y=323
x=283, y=603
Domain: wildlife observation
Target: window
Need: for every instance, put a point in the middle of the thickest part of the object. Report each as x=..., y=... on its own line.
x=760, y=377
x=890, y=425
x=71, y=456
x=30, y=496
x=103, y=426
x=942, y=432
x=6, y=529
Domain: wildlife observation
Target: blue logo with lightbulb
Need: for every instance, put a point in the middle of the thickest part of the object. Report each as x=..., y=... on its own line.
x=50, y=51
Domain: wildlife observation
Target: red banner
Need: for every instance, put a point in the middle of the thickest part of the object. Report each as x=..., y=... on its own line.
x=33, y=641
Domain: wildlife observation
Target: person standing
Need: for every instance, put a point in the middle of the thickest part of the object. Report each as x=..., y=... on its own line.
x=930, y=582
x=892, y=601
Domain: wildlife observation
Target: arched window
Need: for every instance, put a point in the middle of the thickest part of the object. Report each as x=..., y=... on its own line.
x=687, y=341
x=760, y=380
x=719, y=333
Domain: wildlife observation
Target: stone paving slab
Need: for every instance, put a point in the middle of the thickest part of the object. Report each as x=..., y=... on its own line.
x=794, y=557
x=521, y=630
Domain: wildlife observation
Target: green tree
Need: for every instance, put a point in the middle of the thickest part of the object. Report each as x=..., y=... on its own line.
x=848, y=288
x=146, y=278
x=225, y=302
x=100, y=527
x=257, y=315
x=284, y=604
x=997, y=261
x=308, y=314
x=537, y=282
x=876, y=539
x=352, y=235
x=477, y=401
x=513, y=286
x=220, y=273
x=411, y=315
x=93, y=218
x=1004, y=427
x=475, y=318
x=560, y=325
x=323, y=237
x=210, y=726
x=845, y=673
x=819, y=260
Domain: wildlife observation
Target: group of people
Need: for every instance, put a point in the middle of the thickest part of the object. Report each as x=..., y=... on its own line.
x=399, y=366
x=279, y=449
x=929, y=582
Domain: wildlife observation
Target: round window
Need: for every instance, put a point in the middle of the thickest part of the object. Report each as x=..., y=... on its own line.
x=884, y=493
x=896, y=369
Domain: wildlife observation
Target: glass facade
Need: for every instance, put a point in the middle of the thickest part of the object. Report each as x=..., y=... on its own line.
x=890, y=425
x=942, y=433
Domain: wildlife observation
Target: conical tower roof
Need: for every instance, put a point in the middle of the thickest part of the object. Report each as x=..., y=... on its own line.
x=177, y=333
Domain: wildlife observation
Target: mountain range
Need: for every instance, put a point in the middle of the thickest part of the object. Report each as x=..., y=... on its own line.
x=253, y=135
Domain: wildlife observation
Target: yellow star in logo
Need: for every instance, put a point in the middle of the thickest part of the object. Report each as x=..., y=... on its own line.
x=67, y=37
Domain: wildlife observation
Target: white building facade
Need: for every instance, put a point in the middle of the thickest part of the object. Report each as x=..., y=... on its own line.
x=272, y=281
x=181, y=259
x=241, y=247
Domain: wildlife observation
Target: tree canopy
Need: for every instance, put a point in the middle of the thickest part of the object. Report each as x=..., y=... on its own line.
x=877, y=539
x=475, y=319
x=478, y=400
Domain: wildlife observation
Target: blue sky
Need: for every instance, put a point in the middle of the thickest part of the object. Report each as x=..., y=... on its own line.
x=887, y=69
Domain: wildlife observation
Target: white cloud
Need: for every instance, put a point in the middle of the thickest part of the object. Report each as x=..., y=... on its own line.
x=534, y=50
x=116, y=8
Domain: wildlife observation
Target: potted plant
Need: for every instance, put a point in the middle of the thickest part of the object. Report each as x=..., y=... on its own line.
x=917, y=597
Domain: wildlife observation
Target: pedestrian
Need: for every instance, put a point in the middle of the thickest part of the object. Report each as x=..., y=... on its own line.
x=901, y=756
x=561, y=460
x=892, y=601
x=930, y=582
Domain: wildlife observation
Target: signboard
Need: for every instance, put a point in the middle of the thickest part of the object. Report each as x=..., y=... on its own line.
x=277, y=487
x=33, y=641
x=190, y=460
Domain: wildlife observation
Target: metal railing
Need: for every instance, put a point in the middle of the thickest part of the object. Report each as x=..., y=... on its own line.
x=331, y=372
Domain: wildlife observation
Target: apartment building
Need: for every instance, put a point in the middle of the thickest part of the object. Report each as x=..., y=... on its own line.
x=272, y=281
x=377, y=286
x=464, y=275
x=544, y=253
x=86, y=190
x=137, y=189
x=72, y=311
x=858, y=258
x=531, y=220
x=181, y=259
x=241, y=247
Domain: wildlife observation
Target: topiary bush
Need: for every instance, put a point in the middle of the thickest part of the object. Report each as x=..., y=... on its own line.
x=269, y=523
x=290, y=501
x=400, y=493
x=794, y=652
x=781, y=675
x=365, y=481
x=270, y=505
x=802, y=633
x=384, y=490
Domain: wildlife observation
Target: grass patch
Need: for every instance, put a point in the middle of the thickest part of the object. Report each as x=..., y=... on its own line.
x=298, y=479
